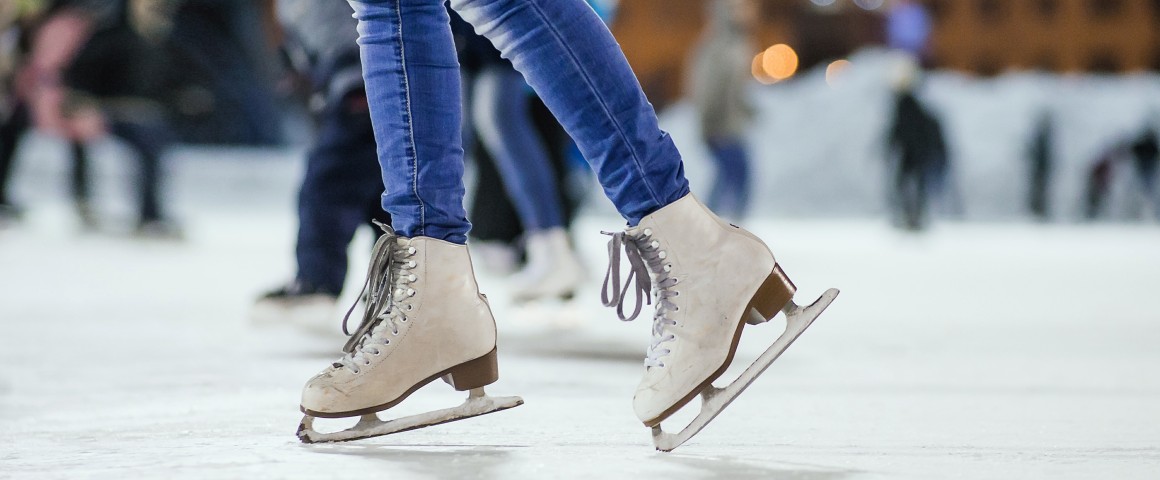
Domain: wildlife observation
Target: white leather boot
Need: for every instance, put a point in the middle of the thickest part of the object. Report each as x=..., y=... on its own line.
x=705, y=277
x=553, y=270
x=426, y=319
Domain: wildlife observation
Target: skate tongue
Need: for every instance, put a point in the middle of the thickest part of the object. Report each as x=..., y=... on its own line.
x=611, y=293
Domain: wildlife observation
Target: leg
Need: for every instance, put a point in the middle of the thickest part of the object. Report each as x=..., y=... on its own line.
x=568, y=56
x=80, y=184
x=149, y=142
x=424, y=317
x=497, y=226
x=11, y=131
x=340, y=191
x=503, y=120
x=710, y=277
x=413, y=87
x=497, y=220
x=332, y=202
x=730, y=194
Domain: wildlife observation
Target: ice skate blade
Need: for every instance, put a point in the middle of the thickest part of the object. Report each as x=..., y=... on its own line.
x=714, y=400
x=477, y=403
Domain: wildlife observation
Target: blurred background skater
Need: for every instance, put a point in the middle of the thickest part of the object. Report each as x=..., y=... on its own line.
x=224, y=93
x=91, y=71
x=1146, y=158
x=1042, y=159
x=17, y=22
x=1099, y=179
x=12, y=112
x=499, y=108
x=341, y=188
x=1141, y=154
x=917, y=152
x=720, y=80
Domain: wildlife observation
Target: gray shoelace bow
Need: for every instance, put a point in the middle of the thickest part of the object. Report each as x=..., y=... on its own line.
x=387, y=268
x=644, y=256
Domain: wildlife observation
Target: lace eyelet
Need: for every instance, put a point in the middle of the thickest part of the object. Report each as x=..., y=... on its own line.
x=410, y=307
x=411, y=264
x=411, y=251
x=356, y=372
x=663, y=255
x=394, y=332
x=367, y=363
x=648, y=232
x=412, y=277
x=655, y=244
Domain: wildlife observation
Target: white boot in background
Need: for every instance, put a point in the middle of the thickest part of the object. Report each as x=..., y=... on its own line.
x=708, y=279
x=553, y=270
x=425, y=319
x=495, y=257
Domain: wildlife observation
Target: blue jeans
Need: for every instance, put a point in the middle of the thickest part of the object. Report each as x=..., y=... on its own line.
x=503, y=118
x=340, y=192
x=730, y=195
x=564, y=52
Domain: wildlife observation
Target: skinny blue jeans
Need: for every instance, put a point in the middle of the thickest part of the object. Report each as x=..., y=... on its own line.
x=566, y=54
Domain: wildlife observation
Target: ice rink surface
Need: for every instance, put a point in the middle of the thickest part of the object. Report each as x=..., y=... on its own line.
x=975, y=351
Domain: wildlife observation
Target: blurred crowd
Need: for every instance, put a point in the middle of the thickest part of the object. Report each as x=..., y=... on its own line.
x=155, y=73
x=148, y=72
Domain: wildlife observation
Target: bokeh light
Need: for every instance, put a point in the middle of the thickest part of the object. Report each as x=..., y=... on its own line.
x=835, y=70
x=779, y=62
x=759, y=70
x=870, y=4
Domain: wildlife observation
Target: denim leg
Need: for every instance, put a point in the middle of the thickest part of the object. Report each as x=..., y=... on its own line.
x=730, y=195
x=341, y=181
x=413, y=87
x=149, y=140
x=569, y=57
x=503, y=118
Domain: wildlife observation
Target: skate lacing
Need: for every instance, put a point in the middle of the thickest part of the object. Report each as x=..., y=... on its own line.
x=645, y=259
x=386, y=294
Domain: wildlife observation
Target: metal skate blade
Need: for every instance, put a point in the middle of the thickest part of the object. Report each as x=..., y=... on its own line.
x=714, y=400
x=478, y=403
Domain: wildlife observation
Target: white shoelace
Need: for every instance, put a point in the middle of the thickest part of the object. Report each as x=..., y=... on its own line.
x=646, y=260
x=387, y=292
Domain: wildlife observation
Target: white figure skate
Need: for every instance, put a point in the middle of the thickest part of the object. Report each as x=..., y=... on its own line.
x=425, y=319
x=709, y=279
x=553, y=270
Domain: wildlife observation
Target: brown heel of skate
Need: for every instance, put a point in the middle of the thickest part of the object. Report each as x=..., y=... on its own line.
x=477, y=373
x=774, y=294
x=471, y=376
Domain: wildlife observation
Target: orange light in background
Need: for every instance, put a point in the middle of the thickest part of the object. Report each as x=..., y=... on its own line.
x=835, y=69
x=759, y=70
x=779, y=62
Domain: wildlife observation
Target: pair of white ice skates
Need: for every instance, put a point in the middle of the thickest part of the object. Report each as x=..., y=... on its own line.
x=425, y=320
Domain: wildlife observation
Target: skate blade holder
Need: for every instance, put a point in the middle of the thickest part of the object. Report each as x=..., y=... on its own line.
x=714, y=400
x=370, y=425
